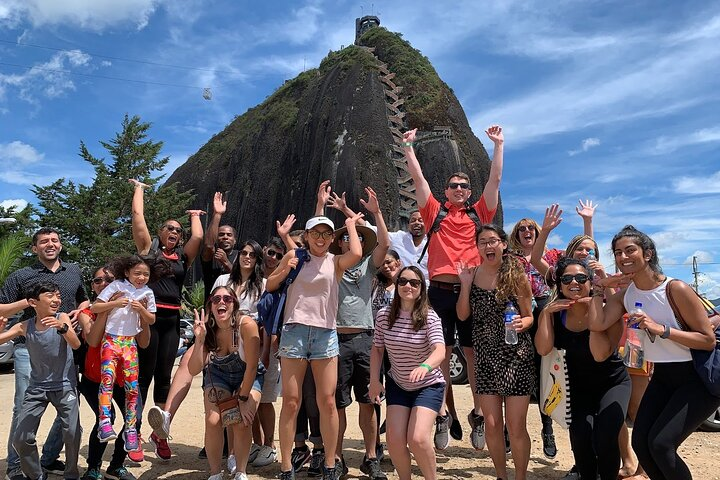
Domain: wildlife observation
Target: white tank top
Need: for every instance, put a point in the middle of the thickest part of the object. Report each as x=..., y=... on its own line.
x=656, y=306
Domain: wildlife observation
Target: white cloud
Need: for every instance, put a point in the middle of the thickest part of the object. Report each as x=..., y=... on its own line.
x=585, y=145
x=698, y=185
x=95, y=15
x=18, y=204
x=665, y=144
x=700, y=256
x=18, y=152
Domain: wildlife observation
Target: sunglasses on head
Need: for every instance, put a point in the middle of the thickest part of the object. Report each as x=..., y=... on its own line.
x=414, y=283
x=326, y=235
x=106, y=279
x=245, y=253
x=578, y=277
x=173, y=228
x=454, y=185
x=215, y=299
x=346, y=237
x=273, y=253
x=525, y=228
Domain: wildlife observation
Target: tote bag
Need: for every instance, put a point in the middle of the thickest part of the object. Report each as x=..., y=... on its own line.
x=555, y=387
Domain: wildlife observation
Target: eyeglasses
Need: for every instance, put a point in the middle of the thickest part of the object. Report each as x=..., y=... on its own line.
x=578, y=277
x=273, y=253
x=402, y=281
x=215, y=299
x=454, y=185
x=346, y=237
x=493, y=242
x=106, y=279
x=245, y=253
x=173, y=228
x=326, y=235
x=526, y=228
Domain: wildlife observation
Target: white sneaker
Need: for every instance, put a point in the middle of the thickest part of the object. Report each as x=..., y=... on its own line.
x=265, y=456
x=217, y=476
x=241, y=476
x=231, y=464
x=159, y=420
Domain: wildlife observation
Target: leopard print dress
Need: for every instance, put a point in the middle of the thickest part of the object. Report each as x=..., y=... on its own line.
x=500, y=369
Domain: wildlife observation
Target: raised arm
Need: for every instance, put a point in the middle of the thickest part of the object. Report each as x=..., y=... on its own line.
x=10, y=309
x=219, y=208
x=552, y=219
x=586, y=211
x=197, y=359
x=192, y=247
x=284, y=229
x=422, y=188
x=354, y=254
x=383, y=237
x=323, y=194
x=140, y=232
x=16, y=330
x=491, y=192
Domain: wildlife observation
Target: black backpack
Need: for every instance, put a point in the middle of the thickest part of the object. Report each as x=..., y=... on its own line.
x=469, y=210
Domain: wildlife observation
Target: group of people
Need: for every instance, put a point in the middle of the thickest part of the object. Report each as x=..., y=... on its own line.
x=370, y=316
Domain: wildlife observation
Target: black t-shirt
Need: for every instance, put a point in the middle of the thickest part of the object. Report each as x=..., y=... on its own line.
x=212, y=269
x=168, y=289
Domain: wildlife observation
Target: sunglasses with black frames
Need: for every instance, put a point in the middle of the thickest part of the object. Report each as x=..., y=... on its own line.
x=106, y=279
x=578, y=277
x=414, y=283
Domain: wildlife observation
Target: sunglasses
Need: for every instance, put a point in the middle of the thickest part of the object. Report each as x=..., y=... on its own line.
x=173, y=228
x=326, y=235
x=402, y=281
x=273, y=253
x=525, y=228
x=346, y=237
x=215, y=299
x=106, y=279
x=245, y=253
x=454, y=185
x=578, y=277
x=493, y=242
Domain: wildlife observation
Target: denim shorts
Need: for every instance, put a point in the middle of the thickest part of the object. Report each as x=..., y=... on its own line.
x=227, y=372
x=311, y=343
x=429, y=397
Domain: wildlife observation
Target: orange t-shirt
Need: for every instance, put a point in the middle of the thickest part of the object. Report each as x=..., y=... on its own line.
x=455, y=241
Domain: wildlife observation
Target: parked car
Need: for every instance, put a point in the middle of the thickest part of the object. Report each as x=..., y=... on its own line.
x=186, y=335
x=6, y=355
x=458, y=366
x=712, y=424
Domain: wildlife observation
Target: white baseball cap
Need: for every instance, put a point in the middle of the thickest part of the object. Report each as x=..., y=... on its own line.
x=319, y=220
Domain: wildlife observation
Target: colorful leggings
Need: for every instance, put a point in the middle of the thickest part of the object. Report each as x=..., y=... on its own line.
x=118, y=351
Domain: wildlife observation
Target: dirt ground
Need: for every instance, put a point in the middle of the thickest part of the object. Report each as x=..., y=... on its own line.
x=459, y=461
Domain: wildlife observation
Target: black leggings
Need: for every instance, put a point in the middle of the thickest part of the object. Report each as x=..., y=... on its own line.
x=547, y=425
x=89, y=390
x=594, y=429
x=674, y=405
x=157, y=360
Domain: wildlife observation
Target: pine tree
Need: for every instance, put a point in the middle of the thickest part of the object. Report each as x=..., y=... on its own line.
x=94, y=220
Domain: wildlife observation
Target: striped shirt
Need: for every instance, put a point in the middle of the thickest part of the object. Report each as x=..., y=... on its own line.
x=407, y=348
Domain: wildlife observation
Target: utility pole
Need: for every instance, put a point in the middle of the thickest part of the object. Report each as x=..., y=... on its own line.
x=695, y=273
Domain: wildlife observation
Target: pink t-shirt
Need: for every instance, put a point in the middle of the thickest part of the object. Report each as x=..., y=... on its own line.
x=312, y=299
x=455, y=241
x=407, y=348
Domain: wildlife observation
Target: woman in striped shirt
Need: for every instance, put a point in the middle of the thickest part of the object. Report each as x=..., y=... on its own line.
x=411, y=332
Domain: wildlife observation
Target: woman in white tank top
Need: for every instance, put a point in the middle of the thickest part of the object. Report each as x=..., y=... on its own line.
x=676, y=402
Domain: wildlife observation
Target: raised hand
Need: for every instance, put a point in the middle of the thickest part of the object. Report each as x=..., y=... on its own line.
x=617, y=280
x=495, y=134
x=586, y=209
x=219, y=204
x=465, y=273
x=371, y=205
x=337, y=202
x=199, y=329
x=195, y=213
x=354, y=219
x=323, y=193
x=138, y=183
x=553, y=217
x=221, y=256
x=285, y=228
x=409, y=136
x=559, y=304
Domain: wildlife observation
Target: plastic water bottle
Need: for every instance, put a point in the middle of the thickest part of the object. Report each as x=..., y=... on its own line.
x=591, y=258
x=633, y=354
x=511, y=336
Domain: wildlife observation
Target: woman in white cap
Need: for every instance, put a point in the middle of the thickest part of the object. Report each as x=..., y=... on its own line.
x=309, y=332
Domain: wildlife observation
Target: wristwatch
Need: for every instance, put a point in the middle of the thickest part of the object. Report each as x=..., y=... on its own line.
x=242, y=398
x=63, y=330
x=666, y=333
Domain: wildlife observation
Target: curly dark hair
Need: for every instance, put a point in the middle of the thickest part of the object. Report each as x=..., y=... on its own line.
x=645, y=243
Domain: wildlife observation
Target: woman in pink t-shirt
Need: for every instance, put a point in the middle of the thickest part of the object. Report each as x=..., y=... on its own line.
x=411, y=332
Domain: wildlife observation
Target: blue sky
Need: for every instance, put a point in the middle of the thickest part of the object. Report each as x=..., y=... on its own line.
x=609, y=100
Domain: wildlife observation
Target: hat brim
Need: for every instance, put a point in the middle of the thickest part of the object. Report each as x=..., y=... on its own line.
x=369, y=240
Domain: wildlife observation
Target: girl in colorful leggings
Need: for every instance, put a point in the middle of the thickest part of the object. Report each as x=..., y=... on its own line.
x=118, y=348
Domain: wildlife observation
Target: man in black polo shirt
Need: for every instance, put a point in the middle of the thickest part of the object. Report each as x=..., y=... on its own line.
x=46, y=245
x=219, y=252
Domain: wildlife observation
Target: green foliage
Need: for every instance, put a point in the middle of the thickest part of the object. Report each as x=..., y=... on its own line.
x=94, y=220
x=346, y=58
x=12, y=249
x=193, y=299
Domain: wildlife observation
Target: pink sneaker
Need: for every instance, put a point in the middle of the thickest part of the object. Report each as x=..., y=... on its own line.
x=105, y=431
x=137, y=456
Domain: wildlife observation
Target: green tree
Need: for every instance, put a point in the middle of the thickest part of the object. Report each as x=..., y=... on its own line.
x=94, y=220
x=15, y=239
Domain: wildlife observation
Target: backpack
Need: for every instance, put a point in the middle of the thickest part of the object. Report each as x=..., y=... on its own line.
x=271, y=306
x=469, y=210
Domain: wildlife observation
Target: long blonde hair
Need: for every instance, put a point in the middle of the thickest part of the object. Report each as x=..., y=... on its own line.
x=514, y=241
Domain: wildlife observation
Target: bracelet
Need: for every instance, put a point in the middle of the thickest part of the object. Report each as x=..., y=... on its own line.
x=407, y=144
x=63, y=330
x=429, y=368
x=666, y=332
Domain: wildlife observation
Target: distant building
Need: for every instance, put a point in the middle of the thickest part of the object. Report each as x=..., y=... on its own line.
x=364, y=24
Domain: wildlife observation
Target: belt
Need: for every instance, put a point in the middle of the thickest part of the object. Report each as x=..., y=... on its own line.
x=455, y=287
x=349, y=336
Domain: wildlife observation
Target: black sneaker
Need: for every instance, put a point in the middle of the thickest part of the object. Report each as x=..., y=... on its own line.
x=331, y=473
x=118, y=473
x=549, y=447
x=507, y=441
x=15, y=476
x=341, y=467
x=371, y=468
x=317, y=460
x=202, y=453
x=456, y=429
x=299, y=457
x=379, y=451
x=289, y=475
x=382, y=427
x=57, y=467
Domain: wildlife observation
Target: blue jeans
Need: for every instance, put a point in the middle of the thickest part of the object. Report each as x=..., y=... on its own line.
x=54, y=443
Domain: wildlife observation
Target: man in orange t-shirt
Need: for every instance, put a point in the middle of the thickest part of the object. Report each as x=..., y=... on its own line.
x=453, y=245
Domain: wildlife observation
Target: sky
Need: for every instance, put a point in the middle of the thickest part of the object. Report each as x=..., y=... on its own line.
x=612, y=101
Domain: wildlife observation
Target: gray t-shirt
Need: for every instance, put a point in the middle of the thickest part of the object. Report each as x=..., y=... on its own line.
x=51, y=359
x=355, y=296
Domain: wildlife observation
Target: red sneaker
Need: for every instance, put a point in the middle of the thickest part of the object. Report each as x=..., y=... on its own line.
x=162, y=449
x=137, y=456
